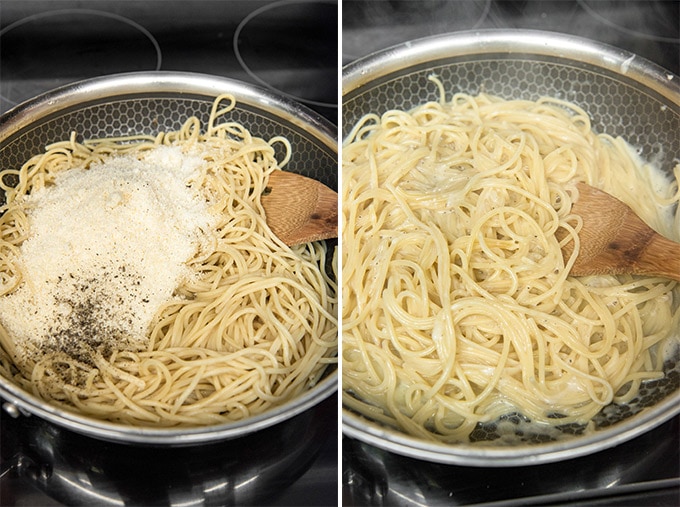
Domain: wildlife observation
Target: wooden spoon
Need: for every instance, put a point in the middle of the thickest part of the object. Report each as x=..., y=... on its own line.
x=300, y=209
x=614, y=240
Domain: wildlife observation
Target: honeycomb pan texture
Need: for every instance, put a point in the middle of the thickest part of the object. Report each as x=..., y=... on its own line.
x=153, y=114
x=616, y=105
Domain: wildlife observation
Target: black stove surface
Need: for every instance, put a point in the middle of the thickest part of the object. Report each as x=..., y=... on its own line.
x=292, y=463
x=643, y=471
x=648, y=28
x=290, y=46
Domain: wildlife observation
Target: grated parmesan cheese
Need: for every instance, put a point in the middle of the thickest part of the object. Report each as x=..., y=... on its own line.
x=107, y=246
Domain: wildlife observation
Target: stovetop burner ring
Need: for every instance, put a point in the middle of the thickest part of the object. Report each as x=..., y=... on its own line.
x=28, y=67
x=253, y=74
x=93, y=12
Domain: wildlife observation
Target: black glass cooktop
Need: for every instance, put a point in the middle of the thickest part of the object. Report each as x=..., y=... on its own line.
x=290, y=46
x=648, y=28
x=644, y=471
x=292, y=463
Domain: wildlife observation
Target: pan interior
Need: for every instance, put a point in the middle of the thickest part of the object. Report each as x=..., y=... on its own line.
x=617, y=105
x=123, y=108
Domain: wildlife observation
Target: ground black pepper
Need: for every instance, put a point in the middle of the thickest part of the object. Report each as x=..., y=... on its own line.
x=92, y=322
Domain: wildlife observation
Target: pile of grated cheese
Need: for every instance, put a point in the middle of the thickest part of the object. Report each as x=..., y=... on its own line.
x=107, y=247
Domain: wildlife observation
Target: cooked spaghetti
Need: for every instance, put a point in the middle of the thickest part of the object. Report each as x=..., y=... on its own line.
x=140, y=282
x=457, y=303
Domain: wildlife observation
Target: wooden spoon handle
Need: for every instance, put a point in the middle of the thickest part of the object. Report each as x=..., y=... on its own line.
x=660, y=256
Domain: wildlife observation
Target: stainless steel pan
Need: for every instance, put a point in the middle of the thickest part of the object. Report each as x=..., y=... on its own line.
x=146, y=103
x=624, y=95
